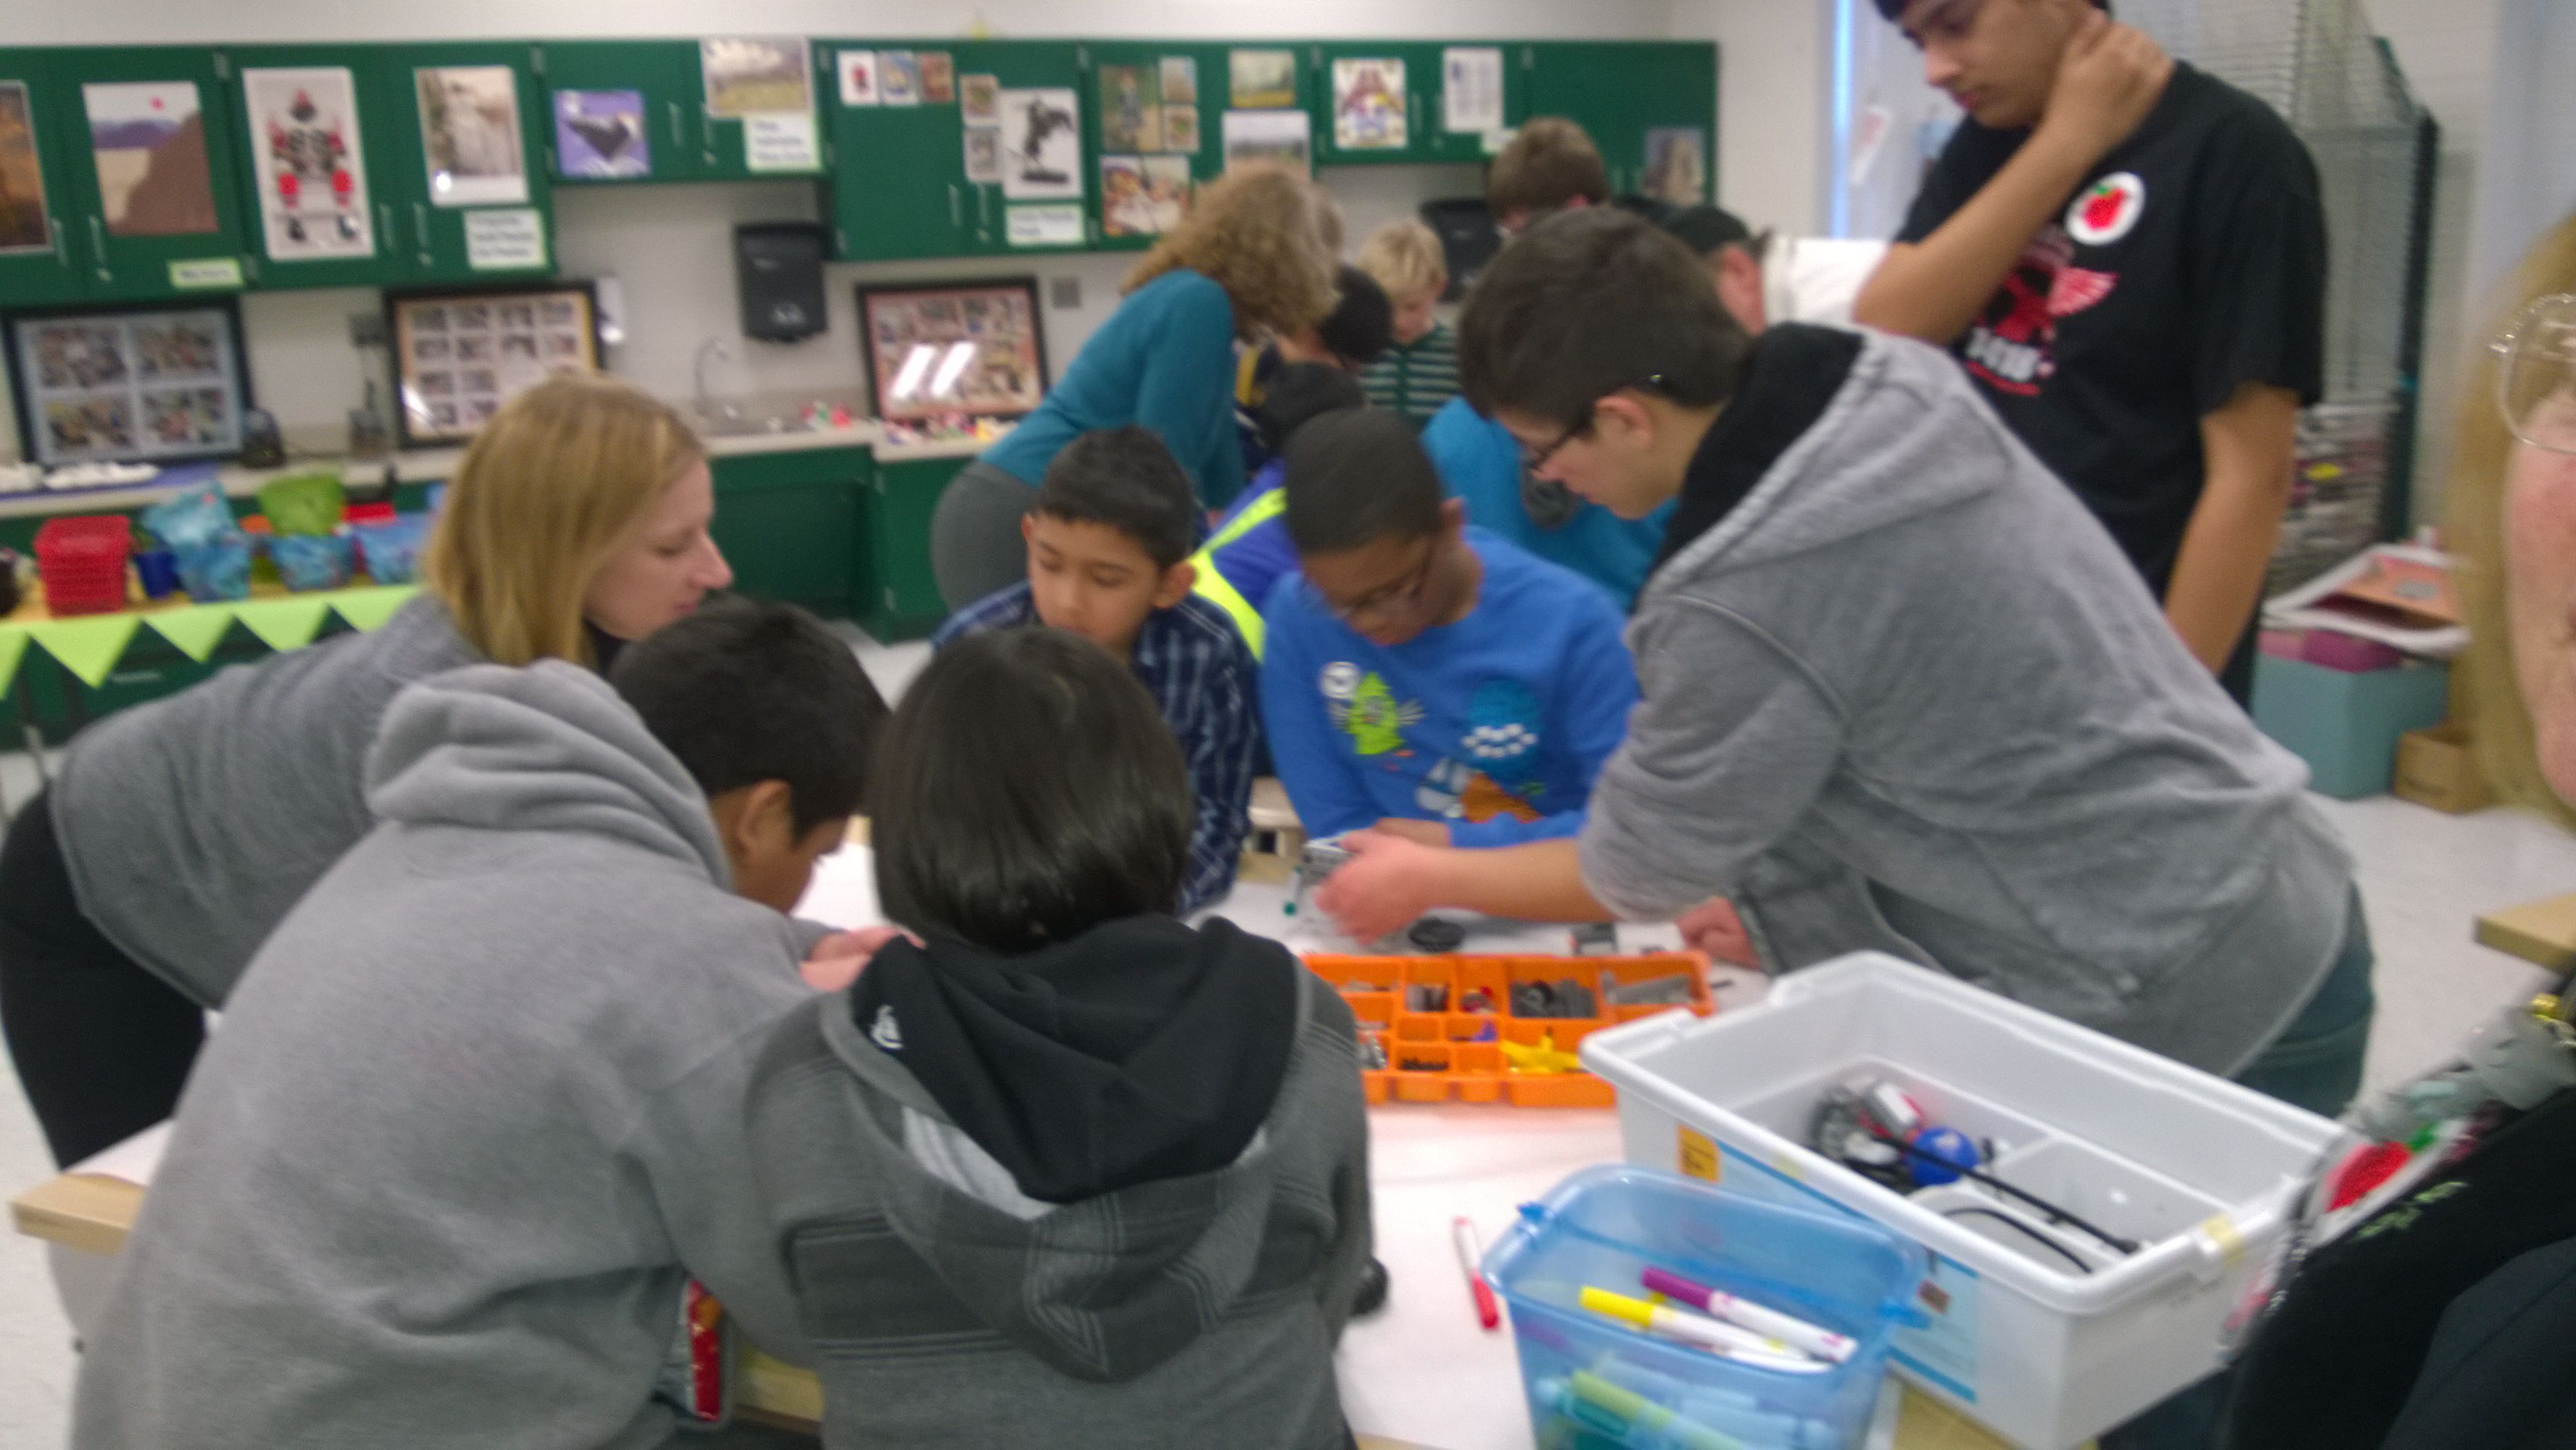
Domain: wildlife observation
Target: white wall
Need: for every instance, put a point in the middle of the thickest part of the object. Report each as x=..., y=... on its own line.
x=1774, y=87
x=671, y=245
x=2530, y=142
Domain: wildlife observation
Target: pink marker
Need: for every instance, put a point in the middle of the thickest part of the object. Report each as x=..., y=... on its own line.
x=1797, y=1333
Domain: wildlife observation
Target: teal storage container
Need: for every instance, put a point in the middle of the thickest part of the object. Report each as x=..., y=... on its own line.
x=2345, y=725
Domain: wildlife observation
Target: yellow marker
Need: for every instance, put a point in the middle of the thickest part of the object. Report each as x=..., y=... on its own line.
x=1742, y=1346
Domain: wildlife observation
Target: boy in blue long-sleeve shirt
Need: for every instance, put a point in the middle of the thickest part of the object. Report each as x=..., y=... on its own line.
x=1423, y=677
x=1481, y=466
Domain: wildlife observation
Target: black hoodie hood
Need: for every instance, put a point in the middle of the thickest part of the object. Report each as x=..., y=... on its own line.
x=1141, y=1050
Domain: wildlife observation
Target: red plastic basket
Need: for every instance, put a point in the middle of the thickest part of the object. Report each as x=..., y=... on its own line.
x=82, y=561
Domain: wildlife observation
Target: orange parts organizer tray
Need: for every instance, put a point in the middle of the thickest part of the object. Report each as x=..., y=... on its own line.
x=1486, y=1029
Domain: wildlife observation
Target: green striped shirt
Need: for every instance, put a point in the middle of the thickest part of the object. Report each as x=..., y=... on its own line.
x=1415, y=381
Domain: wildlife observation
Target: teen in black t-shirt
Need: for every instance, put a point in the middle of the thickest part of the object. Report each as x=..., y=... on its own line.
x=2129, y=257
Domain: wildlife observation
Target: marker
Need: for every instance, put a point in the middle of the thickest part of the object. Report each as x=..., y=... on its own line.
x=1797, y=1333
x=1633, y=1420
x=1463, y=1234
x=1728, y=1412
x=1727, y=1341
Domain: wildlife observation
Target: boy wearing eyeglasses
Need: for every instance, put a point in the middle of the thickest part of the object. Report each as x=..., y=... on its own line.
x=1423, y=677
x=2128, y=257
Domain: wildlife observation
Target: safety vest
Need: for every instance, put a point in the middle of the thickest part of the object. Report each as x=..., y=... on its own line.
x=1212, y=584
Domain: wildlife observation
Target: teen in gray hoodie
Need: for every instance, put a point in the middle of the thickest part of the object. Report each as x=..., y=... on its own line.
x=1069, y=1174
x=1900, y=691
x=435, y=1180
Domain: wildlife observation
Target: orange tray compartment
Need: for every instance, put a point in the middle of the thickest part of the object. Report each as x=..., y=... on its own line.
x=1433, y=1057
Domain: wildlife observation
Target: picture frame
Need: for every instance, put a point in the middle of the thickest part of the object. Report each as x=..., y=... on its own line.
x=147, y=382
x=459, y=354
x=909, y=340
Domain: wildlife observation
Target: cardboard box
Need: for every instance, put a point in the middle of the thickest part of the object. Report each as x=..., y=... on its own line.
x=2437, y=768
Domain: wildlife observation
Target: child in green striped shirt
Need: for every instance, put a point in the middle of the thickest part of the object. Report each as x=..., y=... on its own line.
x=1420, y=372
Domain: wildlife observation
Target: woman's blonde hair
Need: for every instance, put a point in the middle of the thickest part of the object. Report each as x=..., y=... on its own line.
x=1257, y=232
x=2482, y=449
x=1404, y=257
x=548, y=490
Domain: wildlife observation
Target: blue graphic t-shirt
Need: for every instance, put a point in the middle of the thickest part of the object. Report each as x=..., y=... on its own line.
x=1497, y=725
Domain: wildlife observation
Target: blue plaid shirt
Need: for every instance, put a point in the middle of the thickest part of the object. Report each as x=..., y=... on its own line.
x=1196, y=667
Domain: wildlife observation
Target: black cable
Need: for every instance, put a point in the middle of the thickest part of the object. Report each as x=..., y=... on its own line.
x=2051, y=1211
x=2043, y=1240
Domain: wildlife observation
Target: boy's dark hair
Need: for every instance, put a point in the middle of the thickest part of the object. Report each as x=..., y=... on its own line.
x=1027, y=791
x=1551, y=164
x=1894, y=10
x=1704, y=229
x=1125, y=478
x=1299, y=393
x=1357, y=477
x=744, y=691
x=1362, y=322
x=1586, y=303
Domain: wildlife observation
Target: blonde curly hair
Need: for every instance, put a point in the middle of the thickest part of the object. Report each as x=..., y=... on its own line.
x=1259, y=233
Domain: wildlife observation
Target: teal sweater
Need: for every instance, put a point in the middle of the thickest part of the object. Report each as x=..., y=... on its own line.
x=1163, y=360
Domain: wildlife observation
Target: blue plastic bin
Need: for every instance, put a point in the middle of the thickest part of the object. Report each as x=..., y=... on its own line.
x=391, y=551
x=2346, y=725
x=311, y=562
x=1603, y=1227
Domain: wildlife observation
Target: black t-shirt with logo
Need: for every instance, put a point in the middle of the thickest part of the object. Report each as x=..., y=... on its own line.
x=2191, y=260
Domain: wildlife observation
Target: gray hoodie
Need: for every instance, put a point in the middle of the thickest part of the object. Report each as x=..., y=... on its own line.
x=190, y=825
x=435, y=1177
x=1902, y=692
x=950, y=1310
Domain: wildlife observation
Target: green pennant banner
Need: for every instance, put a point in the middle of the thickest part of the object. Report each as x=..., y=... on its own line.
x=369, y=608
x=13, y=646
x=283, y=624
x=88, y=646
x=195, y=630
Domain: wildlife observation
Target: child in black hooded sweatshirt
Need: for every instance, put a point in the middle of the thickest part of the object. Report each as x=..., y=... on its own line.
x=1062, y=1171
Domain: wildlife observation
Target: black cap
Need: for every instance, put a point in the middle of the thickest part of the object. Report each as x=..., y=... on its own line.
x=1704, y=229
x=1298, y=392
x=1363, y=323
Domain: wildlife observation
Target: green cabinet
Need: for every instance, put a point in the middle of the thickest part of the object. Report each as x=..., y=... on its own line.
x=905, y=602
x=900, y=185
x=1106, y=131
x=789, y=525
x=36, y=263
x=1624, y=92
x=136, y=182
x=670, y=120
x=437, y=209
x=1386, y=90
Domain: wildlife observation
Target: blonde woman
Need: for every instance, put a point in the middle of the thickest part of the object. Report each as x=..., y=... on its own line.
x=2434, y=1313
x=134, y=892
x=1250, y=262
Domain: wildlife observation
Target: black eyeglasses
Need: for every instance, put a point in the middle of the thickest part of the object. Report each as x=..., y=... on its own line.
x=1403, y=593
x=1534, y=459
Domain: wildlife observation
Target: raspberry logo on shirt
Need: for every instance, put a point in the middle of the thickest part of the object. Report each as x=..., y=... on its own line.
x=2108, y=210
x=2013, y=347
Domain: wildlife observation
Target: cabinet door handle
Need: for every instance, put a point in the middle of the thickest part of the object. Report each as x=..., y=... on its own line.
x=62, y=258
x=983, y=199
x=385, y=225
x=420, y=225
x=98, y=248
x=956, y=207
x=676, y=142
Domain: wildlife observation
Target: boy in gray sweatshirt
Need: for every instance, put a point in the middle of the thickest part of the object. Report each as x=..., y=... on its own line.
x=1900, y=691
x=1064, y=1173
x=435, y=1180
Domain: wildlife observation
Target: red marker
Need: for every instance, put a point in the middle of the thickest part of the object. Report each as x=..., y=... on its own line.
x=1463, y=1233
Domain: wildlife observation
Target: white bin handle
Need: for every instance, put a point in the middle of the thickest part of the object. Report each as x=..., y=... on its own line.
x=2221, y=1248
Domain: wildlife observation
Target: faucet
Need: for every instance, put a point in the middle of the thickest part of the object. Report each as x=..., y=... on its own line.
x=714, y=347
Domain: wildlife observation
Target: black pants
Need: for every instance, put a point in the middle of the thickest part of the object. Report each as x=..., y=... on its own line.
x=102, y=1046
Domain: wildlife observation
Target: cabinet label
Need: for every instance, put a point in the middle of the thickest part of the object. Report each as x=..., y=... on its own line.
x=206, y=273
x=780, y=141
x=1045, y=226
x=509, y=240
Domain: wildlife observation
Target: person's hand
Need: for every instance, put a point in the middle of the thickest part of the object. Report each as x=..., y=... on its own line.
x=837, y=960
x=2111, y=76
x=1420, y=833
x=1382, y=888
x=1716, y=930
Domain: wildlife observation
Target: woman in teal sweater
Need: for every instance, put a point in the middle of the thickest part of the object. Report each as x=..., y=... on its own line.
x=1251, y=261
